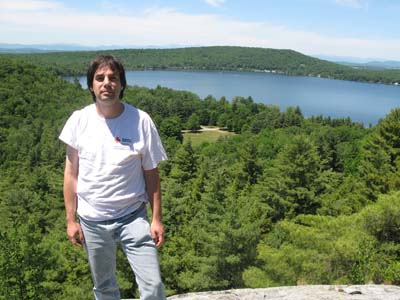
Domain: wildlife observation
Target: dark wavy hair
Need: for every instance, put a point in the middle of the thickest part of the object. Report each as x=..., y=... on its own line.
x=105, y=61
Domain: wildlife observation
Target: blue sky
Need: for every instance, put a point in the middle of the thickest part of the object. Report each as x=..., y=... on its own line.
x=364, y=29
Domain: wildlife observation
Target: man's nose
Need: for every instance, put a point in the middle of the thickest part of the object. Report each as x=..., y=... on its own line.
x=107, y=80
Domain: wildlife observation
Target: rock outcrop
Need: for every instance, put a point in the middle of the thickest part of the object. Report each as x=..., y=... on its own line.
x=304, y=292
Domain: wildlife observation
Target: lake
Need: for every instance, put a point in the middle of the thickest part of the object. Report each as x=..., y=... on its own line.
x=362, y=102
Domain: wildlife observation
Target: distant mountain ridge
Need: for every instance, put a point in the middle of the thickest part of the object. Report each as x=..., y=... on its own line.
x=44, y=48
x=213, y=58
x=365, y=63
x=375, y=65
x=389, y=64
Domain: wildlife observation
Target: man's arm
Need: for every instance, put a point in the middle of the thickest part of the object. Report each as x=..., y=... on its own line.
x=153, y=189
x=74, y=230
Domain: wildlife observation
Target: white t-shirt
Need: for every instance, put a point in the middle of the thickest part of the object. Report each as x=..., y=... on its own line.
x=112, y=154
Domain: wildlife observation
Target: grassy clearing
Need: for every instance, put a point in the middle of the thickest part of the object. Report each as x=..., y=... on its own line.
x=200, y=137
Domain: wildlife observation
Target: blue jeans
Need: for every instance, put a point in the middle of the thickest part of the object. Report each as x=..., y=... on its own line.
x=133, y=232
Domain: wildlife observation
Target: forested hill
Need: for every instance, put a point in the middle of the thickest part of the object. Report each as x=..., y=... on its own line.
x=220, y=58
x=285, y=200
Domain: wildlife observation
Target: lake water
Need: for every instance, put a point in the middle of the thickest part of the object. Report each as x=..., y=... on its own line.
x=362, y=102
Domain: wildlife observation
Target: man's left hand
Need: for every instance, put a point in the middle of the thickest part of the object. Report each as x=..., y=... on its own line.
x=157, y=232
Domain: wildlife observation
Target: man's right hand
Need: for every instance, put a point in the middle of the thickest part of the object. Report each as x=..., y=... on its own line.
x=75, y=234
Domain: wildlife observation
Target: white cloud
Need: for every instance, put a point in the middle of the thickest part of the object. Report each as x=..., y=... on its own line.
x=115, y=6
x=215, y=3
x=160, y=27
x=28, y=5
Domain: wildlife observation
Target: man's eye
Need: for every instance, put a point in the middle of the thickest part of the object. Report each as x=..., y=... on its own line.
x=100, y=78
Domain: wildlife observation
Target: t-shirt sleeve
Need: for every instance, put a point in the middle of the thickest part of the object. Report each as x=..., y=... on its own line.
x=68, y=134
x=154, y=151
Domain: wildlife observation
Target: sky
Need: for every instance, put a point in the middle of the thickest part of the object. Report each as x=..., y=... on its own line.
x=362, y=29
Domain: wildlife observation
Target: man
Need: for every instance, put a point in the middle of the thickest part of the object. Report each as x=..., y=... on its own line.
x=113, y=151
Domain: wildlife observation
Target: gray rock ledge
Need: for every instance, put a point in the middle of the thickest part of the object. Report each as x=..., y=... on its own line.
x=302, y=292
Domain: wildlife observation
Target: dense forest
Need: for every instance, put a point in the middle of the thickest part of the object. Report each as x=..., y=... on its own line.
x=222, y=58
x=286, y=200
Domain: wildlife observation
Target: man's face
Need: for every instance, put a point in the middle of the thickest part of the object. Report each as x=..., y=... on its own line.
x=106, y=85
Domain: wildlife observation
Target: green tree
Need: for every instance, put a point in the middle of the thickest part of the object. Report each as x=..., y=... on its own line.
x=380, y=165
x=171, y=127
x=268, y=118
x=193, y=123
x=23, y=261
x=292, y=117
x=185, y=164
x=297, y=181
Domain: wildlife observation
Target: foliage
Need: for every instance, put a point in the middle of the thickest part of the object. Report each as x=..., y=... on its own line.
x=380, y=166
x=354, y=249
x=285, y=200
x=222, y=58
